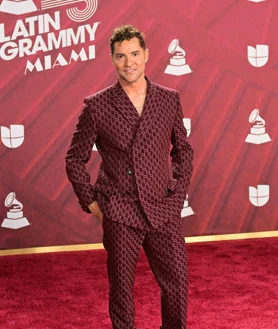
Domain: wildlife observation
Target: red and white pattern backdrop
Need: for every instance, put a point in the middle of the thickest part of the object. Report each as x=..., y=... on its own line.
x=218, y=96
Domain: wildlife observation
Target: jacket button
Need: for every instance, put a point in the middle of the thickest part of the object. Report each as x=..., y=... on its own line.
x=129, y=172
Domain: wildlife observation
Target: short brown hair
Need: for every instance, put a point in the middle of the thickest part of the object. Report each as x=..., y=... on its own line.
x=126, y=32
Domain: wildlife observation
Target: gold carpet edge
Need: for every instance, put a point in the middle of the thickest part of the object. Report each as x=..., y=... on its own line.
x=97, y=246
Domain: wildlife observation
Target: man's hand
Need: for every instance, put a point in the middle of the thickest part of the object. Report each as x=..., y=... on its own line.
x=94, y=208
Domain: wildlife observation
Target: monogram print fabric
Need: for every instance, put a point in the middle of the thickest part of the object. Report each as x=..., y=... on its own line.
x=134, y=152
x=165, y=249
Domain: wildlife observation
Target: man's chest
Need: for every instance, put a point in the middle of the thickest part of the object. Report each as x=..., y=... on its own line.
x=117, y=128
x=138, y=102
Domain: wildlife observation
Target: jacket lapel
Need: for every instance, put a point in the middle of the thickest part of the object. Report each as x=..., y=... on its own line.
x=124, y=105
x=150, y=109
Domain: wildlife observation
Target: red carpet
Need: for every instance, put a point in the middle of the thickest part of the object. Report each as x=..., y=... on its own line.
x=233, y=285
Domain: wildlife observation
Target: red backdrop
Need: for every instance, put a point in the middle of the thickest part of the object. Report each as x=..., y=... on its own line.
x=218, y=97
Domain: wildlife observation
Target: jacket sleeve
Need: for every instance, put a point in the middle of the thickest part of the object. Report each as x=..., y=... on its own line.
x=79, y=154
x=182, y=154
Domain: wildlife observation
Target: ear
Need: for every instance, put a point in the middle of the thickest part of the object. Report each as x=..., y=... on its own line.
x=146, y=55
x=111, y=58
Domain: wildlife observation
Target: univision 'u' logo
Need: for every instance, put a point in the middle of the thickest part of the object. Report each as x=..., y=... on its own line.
x=13, y=137
x=258, y=56
x=259, y=196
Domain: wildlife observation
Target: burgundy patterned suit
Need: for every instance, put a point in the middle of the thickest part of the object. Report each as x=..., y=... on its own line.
x=140, y=203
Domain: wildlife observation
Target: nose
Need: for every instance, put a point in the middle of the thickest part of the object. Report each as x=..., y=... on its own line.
x=128, y=61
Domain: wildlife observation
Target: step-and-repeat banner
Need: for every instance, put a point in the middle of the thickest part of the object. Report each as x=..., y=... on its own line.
x=222, y=56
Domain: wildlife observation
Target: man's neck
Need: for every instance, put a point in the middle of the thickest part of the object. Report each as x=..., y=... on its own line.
x=136, y=88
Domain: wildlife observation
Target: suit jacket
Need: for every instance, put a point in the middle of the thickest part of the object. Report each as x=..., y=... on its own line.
x=134, y=171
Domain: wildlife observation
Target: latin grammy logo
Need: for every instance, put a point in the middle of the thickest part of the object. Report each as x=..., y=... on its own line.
x=177, y=64
x=187, y=210
x=74, y=14
x=258, y=56
x=17, y=7
x=259, y=196
x=20, y=7
x=15, y=218
x=257, y=134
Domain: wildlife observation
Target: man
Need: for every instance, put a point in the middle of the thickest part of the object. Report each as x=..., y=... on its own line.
x=133, y=123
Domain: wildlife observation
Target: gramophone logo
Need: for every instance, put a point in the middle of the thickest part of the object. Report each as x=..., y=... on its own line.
x=258, y=56
x=187, y=210
x=257, y=134
x=187, y=125
x=259, y=196
x=13, y=137
x=20, y=7
x=177, y=64
x=15, y=218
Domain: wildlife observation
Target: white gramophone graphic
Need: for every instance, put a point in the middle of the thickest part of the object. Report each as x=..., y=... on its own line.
x=187, y=125
x=177, y=64
x=258, y=56
x=20, y=7
x=256, y=0
x=257, y=134
x=187, y=210
x=15, y=218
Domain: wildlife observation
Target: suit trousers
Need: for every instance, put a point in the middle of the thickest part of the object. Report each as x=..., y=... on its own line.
x=166, y=253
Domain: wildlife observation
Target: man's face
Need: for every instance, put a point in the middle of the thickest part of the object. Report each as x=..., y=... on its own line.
x=129, y=60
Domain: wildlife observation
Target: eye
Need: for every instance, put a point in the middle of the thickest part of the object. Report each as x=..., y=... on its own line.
x=119, y=56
